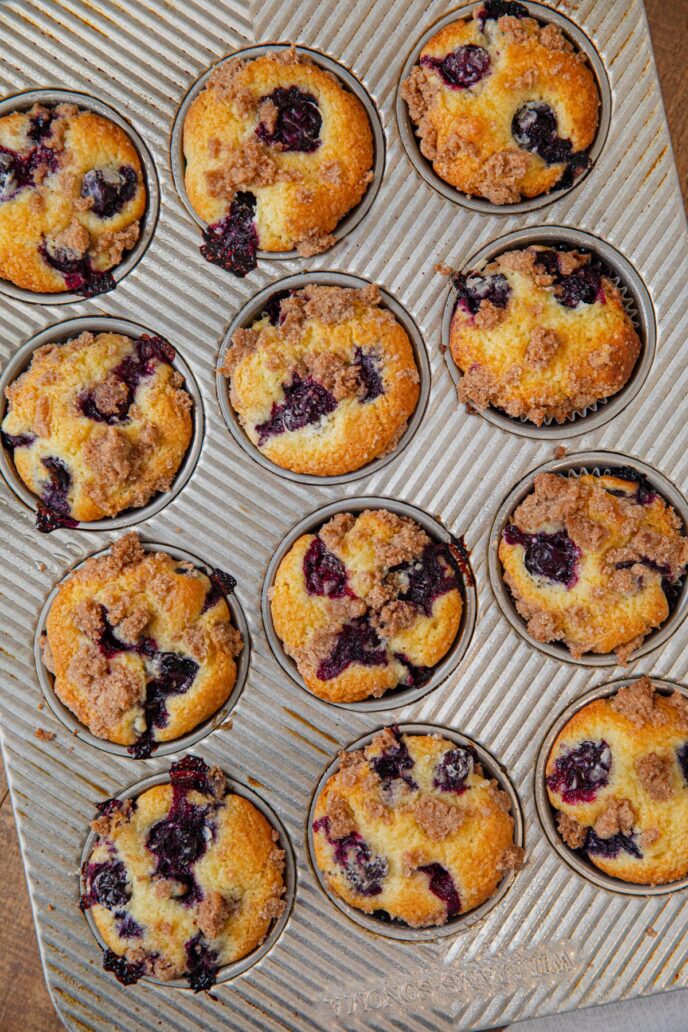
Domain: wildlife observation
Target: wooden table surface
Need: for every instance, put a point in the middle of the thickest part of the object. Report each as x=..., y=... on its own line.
x=24, y=1002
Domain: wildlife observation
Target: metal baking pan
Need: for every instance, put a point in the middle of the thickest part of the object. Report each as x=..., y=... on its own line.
x=555, y=941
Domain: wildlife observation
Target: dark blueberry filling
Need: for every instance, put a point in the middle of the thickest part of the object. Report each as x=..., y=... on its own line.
x=124, y=972
x=41, y=126
x=549, y=261
x=463, y=68
x=682, y=757
x=432, y=575
x=107, y=884
x=324, y=573
x=645, y=493
x=305, y=402
x=175, y=676
x=553, y=556
x=357, y=642
x=415, y=676
x=394, y=763
x=110, y=806
x=79, y=274
x=232, y=243
x=579, y=773
x=471, y=290
x=274, y=305
x=178, y=841
x=191, y=772
x=534, y=128
x=582, y=287
x=298, y=120
x=13, y=441
x=221, y=585
x=452, y=771
x=110, y=645
x=201, y=964
x=369, y=374
x=442, y=885
x=611, y=847
x=53, y=510
x=17, y=170
x=127, y=927
x=365, y=872
x=494, y=9
x=109, y=189
x=148, y=352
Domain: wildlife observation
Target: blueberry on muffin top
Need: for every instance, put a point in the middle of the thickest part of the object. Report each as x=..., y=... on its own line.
x=594, y=561
x=505, y=108
x=182, y=880
x=325, y=380
x=277, y=152
x=72, y=196
x=617, y=776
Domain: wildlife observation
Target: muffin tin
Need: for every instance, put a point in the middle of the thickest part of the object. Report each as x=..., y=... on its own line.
x=553, y=941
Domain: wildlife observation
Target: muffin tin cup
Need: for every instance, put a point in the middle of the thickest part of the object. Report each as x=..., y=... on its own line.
x=60, y=333
x=176, y=745
x=252, y=310
x=239, y=967
x=398, y=929
x=575, y=860
x=346, y=78
x=424, y=167
x=399, y=696
x=581, y=463
x=50, y=98
x=638, y=306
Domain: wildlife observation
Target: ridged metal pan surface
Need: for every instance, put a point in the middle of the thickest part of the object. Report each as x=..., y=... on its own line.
x=554, y=942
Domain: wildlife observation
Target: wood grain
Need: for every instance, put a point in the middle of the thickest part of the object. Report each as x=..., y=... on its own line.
x=24, y=1001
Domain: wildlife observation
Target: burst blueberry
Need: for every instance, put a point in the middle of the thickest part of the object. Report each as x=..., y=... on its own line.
x=324, y=573
x=453, y=770
x=298, y=120
x=443, y=886
x=357, y=642
x=109, y=189
x=553, y=556
x=474, y=288
x=232, y=243
x=305, y=402
x=463, y=67
x=580, y=773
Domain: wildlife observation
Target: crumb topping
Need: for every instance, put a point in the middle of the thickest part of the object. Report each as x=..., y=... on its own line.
x=617, y=817
x=437, y=818
x=637, y=703
x=570, y=830
x=655, y=775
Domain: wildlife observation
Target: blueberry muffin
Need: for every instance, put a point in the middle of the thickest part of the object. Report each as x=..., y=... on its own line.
x=72, y=196
x=368, y=604
x=141, y=646
x=324, y=381
x=594, y=561
x=617, y=776
x=182, y=880
x=411, y=828
x=540, y=334
x=277, y=152
x=97, y=425
x=505, y=107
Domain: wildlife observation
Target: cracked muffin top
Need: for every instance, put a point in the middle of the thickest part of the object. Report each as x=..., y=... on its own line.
x=367, y=604
x=72, y=195
x=97, y=425
x=596, y=562
x=182, y=880
x=277, y=152
x=617, y=776
x=505, y=108
x=541, y=334
x=141, y=645
x=412, y=829
x=325, y=381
